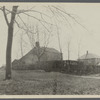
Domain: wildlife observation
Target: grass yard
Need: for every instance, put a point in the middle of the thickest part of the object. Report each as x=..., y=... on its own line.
x=43, y=83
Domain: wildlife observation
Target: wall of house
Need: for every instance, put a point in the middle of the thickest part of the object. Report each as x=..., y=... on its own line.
x=92, y=61
x=47, y=56
x=53, y=56
x=29, y=59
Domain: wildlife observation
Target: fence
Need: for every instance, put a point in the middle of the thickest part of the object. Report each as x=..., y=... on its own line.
x=65, y=66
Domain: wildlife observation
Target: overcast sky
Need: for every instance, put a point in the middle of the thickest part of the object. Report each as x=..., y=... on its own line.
x=88, y=14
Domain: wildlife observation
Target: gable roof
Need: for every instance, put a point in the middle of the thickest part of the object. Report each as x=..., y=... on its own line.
x=50, y=50
x=89, y=56
x=41, y=50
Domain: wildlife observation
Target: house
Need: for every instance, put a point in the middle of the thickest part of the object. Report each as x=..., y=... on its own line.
x=90, y=59
x=38, y=54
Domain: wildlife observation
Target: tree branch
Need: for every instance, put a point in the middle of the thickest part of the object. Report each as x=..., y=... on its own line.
x=38, y=19
x=70, y=16
x=23, y=11
x=21, y=27
x=5, y=16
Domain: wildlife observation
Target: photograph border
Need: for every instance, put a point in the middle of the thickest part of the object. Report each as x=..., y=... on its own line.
x=50, y=97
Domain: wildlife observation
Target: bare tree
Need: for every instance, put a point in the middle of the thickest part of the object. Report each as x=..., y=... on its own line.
x=79, y=45
x=10, y=39
x=21, y=44
x=68, y=53
x=68, y=49
x=59, y=43
x=55, y=10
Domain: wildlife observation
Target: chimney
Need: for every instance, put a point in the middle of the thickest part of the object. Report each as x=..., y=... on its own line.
x=37, y=44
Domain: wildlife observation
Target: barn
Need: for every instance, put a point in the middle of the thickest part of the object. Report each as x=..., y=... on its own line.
x=38, y=54
x=90, y=59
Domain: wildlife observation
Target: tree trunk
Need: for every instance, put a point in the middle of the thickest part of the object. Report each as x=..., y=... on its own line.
x=8, y=52
x=9, y=43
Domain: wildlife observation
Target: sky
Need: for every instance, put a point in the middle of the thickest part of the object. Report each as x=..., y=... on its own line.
x=82, y=37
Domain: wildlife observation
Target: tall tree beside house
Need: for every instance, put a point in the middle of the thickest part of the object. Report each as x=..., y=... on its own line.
x=59, y=43
x=79, y=47
x=10, y=39
x=68, y=51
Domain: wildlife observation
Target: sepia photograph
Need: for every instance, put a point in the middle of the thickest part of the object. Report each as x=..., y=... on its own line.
x=49, y=49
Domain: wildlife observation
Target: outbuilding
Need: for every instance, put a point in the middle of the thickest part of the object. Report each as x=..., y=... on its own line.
x=90, y=59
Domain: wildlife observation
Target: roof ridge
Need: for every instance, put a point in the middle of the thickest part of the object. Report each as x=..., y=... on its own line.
x=40, y=48
x=89, y=56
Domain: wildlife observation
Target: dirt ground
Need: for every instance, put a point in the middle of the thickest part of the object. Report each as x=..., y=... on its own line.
x=48, y=83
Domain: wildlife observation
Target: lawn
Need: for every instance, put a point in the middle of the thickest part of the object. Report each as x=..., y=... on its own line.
x=47, y=83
